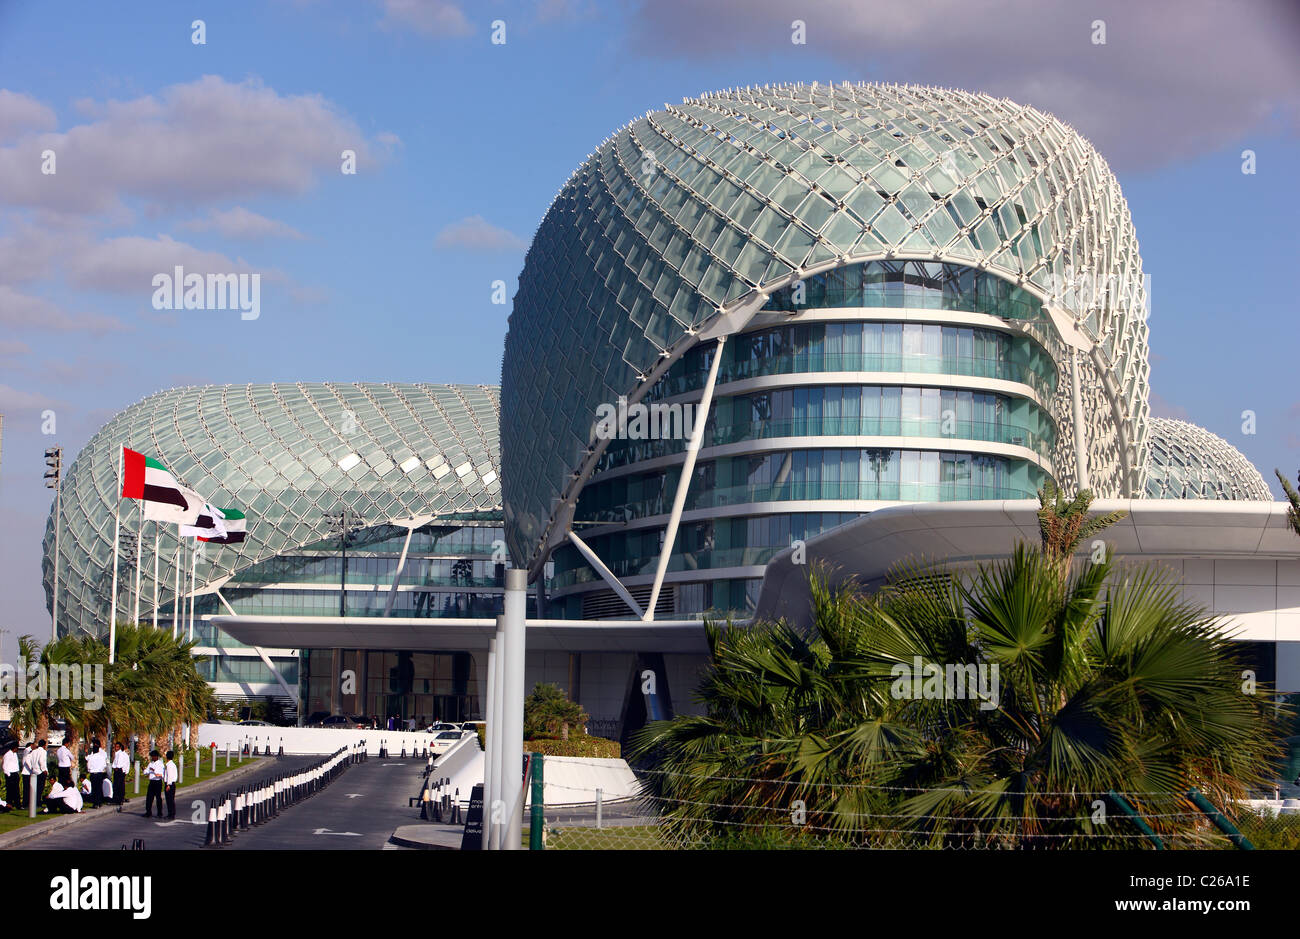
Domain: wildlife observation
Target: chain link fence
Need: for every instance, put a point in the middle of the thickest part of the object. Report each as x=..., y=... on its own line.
x=661, y=823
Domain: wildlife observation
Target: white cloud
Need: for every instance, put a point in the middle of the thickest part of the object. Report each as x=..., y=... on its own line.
x=128, y=264
x=1175, y=78
x=204, y=141
x=22, y=311
x=14, y=402
x=433, y=18
x=20, y=113
x=475, y=233
x=28, y=253
x=13, y=349
x=241, y=224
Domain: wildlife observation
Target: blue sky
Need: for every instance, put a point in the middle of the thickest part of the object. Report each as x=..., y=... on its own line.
x=227, y=154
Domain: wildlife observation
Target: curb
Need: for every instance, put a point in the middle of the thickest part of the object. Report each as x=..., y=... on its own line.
x=412, y=840
x=31, y=832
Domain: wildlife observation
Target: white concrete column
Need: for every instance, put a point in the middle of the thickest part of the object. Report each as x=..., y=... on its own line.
x=493, y=735
x=512, y=705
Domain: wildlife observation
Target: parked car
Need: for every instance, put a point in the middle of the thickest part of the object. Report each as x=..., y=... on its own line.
x=444, y=740
x=345, y=721
x=442, y=727
x=256, y=724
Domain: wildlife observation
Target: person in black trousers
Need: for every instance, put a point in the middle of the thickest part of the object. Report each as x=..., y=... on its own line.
x=12, y=776
x=169, y=783
x=155, y=773
x=97, y=769
x=121, y=764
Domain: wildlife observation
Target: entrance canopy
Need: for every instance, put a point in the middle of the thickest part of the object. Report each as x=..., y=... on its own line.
x=431, y=634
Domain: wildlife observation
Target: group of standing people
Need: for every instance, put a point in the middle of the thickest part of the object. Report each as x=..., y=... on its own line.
x=30, y=771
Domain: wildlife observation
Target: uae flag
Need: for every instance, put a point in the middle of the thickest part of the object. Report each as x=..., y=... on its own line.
x=210, y=525
x=163, y=498
x=235, y=525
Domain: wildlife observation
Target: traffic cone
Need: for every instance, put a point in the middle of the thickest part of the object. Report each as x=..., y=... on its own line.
x=210, y=839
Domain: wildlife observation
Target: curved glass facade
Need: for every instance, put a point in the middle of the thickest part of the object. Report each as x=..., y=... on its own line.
x=715, y=543
x=961, y=394
x=1189, y=462
x=951, y=414
x=923, y=348
x=911, y=285
x=713, y=216
x=868, y=475
x=289, y=456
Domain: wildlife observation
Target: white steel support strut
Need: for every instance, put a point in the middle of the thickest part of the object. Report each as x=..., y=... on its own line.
x=684, y=481
x=1080, y=439
x=266, y=659
x=397, y=574
x=615, y=584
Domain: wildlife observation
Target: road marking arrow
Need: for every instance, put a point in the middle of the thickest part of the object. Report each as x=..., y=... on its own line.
x=326, y=831
x=354, y=795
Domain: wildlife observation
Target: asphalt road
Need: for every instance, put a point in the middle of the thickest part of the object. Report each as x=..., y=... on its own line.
x=359, y=809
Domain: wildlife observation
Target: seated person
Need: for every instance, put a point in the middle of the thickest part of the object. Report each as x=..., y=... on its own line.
x=72, y=799
x=63, y=799
x=54, y=801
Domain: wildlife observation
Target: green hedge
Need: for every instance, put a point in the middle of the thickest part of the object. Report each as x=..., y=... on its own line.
x=576, y=745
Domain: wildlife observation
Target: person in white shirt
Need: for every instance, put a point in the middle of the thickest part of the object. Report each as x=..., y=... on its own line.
x=72, y=798
x=63, y=798
x=154, y=771
x=121, y=766
x=96, y=769
x=37, y=767
x=12, y=776
x=64, y=758
x=169, y=784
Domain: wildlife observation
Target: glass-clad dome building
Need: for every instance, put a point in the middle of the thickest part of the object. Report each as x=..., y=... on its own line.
x=915, y=294
x=1189, y=462
x=312, y=465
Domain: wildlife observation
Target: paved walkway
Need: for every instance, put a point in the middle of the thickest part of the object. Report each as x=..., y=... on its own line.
x=108, y=830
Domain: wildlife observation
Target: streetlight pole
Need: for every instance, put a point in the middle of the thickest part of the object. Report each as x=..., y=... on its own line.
x=343, y=578
x=53, y=478
x=342, y=522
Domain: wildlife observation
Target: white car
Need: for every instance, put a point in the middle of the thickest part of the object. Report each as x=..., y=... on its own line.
x=445, y=739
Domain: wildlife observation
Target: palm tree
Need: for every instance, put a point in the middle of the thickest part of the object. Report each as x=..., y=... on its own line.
x=1293, y=513
x=31, y=716
x=1109, y=683
x=154, y=686
x=1063, y=523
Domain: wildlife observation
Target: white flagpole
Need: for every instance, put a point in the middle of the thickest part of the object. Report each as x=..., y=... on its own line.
x=155, y=575
x=139, y=546
x=194, y=583
x=176, y=590
x=117, y=531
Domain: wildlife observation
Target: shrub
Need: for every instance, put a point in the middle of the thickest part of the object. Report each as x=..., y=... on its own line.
x=578, y=744
x=547, y=709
